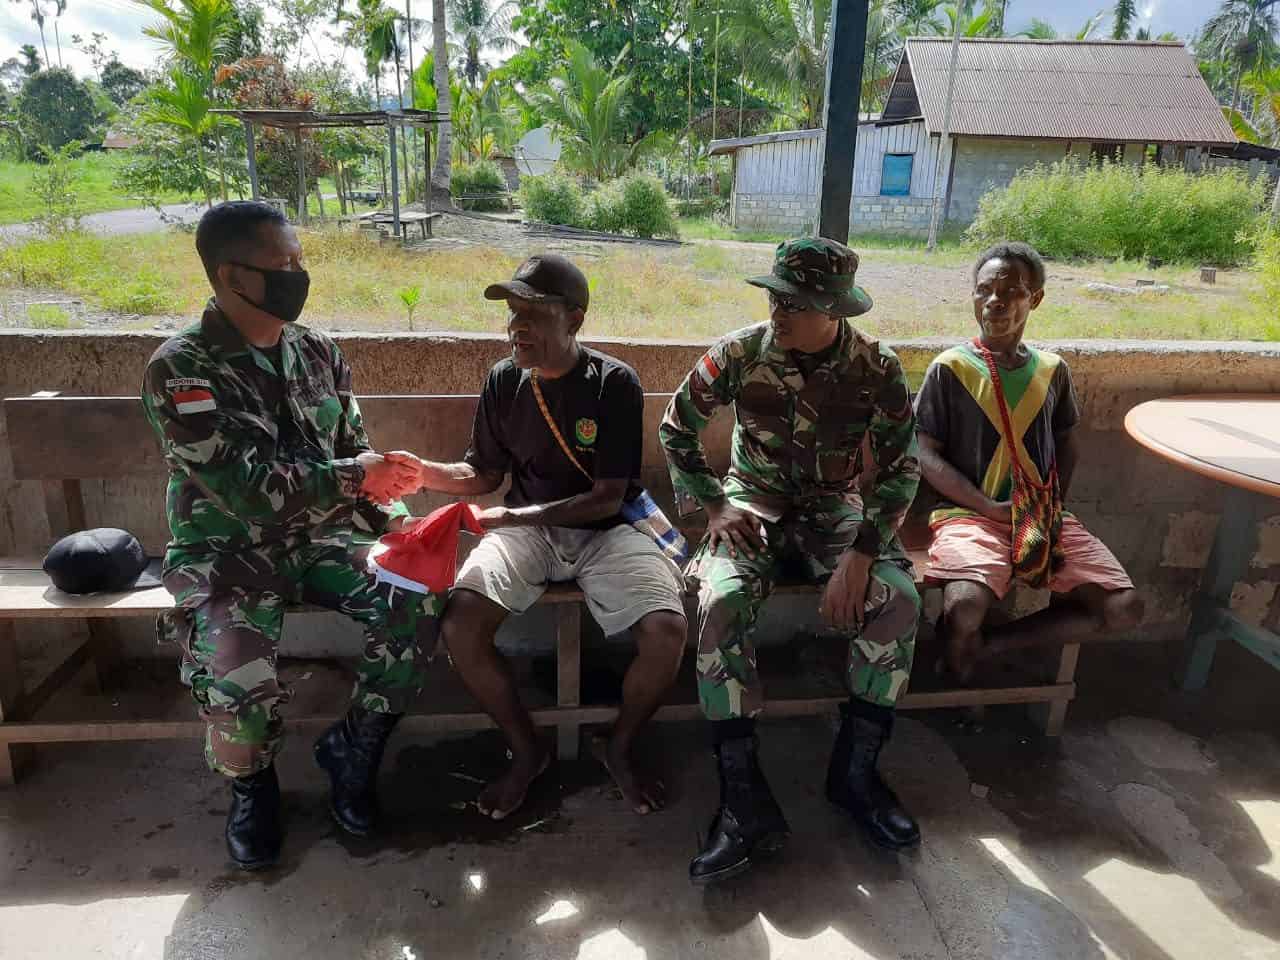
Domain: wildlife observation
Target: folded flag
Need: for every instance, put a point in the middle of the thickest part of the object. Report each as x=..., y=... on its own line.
x=423, y=557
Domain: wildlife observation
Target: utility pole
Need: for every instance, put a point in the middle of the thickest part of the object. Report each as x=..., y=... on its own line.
x=946, y=131
x=845, y=50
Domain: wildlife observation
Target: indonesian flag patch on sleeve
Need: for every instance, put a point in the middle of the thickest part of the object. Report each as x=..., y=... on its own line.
x=194, y=400
x=710, y=369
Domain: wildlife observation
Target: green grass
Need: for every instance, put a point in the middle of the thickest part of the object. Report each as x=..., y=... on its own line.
x=49, y=316
x=690, y=292
x=706, y=228
x=95, y=187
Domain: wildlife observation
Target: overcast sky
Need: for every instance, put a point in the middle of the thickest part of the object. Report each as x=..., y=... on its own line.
x=123, y=21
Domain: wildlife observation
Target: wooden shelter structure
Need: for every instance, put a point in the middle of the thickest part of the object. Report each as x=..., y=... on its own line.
x=299, y=120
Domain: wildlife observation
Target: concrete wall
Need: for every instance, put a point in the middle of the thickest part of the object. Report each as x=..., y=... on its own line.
x=790, y=213
x=906, y=215
x=795, y=214
x=981, y=165
x=1158, y=519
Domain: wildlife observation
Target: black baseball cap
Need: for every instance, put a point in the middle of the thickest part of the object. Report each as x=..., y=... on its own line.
x=105, y=560
x=545, y=278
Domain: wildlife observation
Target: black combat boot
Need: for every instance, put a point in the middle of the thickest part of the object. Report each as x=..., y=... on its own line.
x=350, y=752
x=749, y=822
x=854, y=783
x=254, y=831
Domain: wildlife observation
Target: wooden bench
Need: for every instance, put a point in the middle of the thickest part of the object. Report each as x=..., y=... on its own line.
x=408, y=218
x=62, y=441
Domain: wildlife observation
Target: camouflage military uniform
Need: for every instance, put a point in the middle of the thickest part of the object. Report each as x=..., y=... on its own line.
x=798, y=446
x=264, y=510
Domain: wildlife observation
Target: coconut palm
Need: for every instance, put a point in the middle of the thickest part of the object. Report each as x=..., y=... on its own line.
x=918, y=18
x=1243, y=34
x=474, y=26
x=1043, y=30
x=371, y=28
x=786, y=45
x=880, y=55
x=38, y=15
x=1125, y=13
x=440, y=174
x=589, y=107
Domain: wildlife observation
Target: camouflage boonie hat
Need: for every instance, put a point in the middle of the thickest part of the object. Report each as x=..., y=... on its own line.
x=819, y=272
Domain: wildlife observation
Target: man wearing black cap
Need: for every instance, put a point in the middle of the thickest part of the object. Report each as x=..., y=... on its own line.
x=565, y=423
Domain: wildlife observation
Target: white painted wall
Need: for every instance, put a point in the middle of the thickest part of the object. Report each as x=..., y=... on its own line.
x=786, y=166
x=776, y=186
x=875, y=142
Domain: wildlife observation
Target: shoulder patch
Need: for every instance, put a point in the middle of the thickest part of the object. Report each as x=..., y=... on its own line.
x=194, y=400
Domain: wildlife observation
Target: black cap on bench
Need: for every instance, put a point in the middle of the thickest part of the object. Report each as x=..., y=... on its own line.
x=104, y=560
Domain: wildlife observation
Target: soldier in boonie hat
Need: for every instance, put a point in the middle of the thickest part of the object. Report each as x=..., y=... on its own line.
x=809, y=392
x=817, y=273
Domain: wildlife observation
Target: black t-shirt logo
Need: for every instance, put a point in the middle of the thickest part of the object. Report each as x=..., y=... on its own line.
x=585, y=430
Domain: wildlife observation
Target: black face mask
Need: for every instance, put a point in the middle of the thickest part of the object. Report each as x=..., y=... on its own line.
x=284, y=291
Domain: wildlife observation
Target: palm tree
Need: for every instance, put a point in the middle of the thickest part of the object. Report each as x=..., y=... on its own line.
x=184, y=106
x=474, y=27
x=444, y=99
x=786, y=41
x=588, y=106
x=198, y=35
x=30, y=59
x=1126, y=12
x=1043, y=30
x=371, y=28
x=38, y=15
x=918, y=18
x=880, y=55
x=983, y=25
x=1264, y=89
x=1039, y=30
x=1243, y=34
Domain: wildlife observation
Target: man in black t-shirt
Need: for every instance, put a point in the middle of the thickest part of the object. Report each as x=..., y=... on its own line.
x=561, y=521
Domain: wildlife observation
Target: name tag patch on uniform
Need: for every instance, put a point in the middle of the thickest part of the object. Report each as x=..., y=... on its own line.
x=194, y=400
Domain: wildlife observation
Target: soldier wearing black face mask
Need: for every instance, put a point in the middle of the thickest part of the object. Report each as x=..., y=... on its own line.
x=275, y=495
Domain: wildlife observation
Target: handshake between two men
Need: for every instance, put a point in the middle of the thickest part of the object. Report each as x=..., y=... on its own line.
x=394, y=475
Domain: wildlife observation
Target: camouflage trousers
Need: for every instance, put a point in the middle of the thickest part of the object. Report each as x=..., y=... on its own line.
x=732, y=590
x=228, y=621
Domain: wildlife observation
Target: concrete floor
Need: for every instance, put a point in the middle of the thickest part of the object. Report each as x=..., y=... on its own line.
x=1151, y=830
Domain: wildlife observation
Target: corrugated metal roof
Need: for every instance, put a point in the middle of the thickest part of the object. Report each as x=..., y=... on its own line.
x=718, y=147
x=1068, y=90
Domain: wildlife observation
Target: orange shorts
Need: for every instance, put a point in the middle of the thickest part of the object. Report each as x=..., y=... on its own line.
x=978, y=549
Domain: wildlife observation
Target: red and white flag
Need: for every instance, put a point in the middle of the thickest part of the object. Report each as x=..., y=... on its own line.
x=194, y=400
x=710, y=369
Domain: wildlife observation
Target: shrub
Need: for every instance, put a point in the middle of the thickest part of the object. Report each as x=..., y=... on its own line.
x=646, y=207
x=636, y=204
x=479, y=179
x=552, y=198
x=606, y=209
x=55, y=184
x=1075, y=210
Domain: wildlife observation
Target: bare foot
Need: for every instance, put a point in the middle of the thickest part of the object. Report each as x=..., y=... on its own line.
x=645, y=794
x=504, y=796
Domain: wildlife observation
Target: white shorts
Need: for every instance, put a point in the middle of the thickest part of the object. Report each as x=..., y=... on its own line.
x=622, y=573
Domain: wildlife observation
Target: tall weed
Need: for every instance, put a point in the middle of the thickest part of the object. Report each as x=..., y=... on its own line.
x=1075, y=210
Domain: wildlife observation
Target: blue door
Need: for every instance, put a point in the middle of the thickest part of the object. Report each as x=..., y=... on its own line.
x=895, y=177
